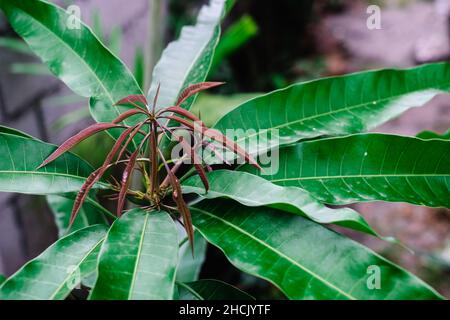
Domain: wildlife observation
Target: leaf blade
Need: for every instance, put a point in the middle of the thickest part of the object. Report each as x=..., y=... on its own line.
x=311, y=261
x=210, y=290
x=138, y=259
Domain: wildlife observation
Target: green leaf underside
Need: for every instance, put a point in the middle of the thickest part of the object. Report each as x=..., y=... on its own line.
x=210, y=290
x=189, y=266
x=333, y=106
x=368, y=167
x=254, y=191
x=138, y=259
x=187, y=60
x=61, y=206
x=76, y=56
x=303, y=259
x=53, y=274
x=20, y=158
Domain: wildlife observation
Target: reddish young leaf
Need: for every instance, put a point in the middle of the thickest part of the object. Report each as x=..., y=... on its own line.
x=72, y=141
x=195, y=88
x=128, y=114
x=155, y=100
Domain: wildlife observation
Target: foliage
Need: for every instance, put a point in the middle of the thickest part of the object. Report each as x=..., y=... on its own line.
x=269, y=219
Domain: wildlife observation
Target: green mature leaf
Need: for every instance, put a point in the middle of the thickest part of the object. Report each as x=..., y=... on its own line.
x=2, y=279
x=368, y=167
x=22, y=155
x=34, y=69
x=15, y=132
x=304, y=259
x=187, y=60
x=61, y=206
x=253, y=191
x=333, y=106
x=189, y=266
x=428, y=135
x=58, y=270
x=139, y=258
x=74, y=55
x=210, y=290
x=211, y=108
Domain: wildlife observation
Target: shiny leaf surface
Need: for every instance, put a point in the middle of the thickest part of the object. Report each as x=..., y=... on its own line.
x=254, y=191
x=210, y=290
x=187, y=60
x=302, y=258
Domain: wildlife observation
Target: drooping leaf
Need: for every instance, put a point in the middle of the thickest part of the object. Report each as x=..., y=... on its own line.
x=333, y=106
x=236, y=35
x=21, y=156
x=139, y=258
x=368, y=167
x=58, y=270
x=61, y=206
x=210, y=290
x=75, y=55
x=187, y=60
x=189, y=266
x=302, y=258
x=254, y=191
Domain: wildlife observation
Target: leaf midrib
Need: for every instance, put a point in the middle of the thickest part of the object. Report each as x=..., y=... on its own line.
x=76, y=54
x=279, y=253
x=411, y=175
x=341, y=109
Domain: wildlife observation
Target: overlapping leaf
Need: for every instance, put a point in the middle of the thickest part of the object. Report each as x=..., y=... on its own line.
x=187, y=60
x=210, y=290
x=333, y=106
x=138, y=259
x=368, y=167
x=189, y=266
x=302, y=258
x=53, y=274
x=254, y=191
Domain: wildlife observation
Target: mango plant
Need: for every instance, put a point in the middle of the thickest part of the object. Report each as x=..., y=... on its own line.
x=260, y=193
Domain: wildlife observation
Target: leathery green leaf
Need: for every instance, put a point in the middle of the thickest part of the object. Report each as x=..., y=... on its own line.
x=21, y=155
x=210, y=290
x=368, y=167
x=189, y=266
x=302, y=258
x=254, y=191
x=58, y=270
x=333, y=106
x=138, y=259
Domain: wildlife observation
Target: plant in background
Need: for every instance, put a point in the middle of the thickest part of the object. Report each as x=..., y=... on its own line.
x=270, y=223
